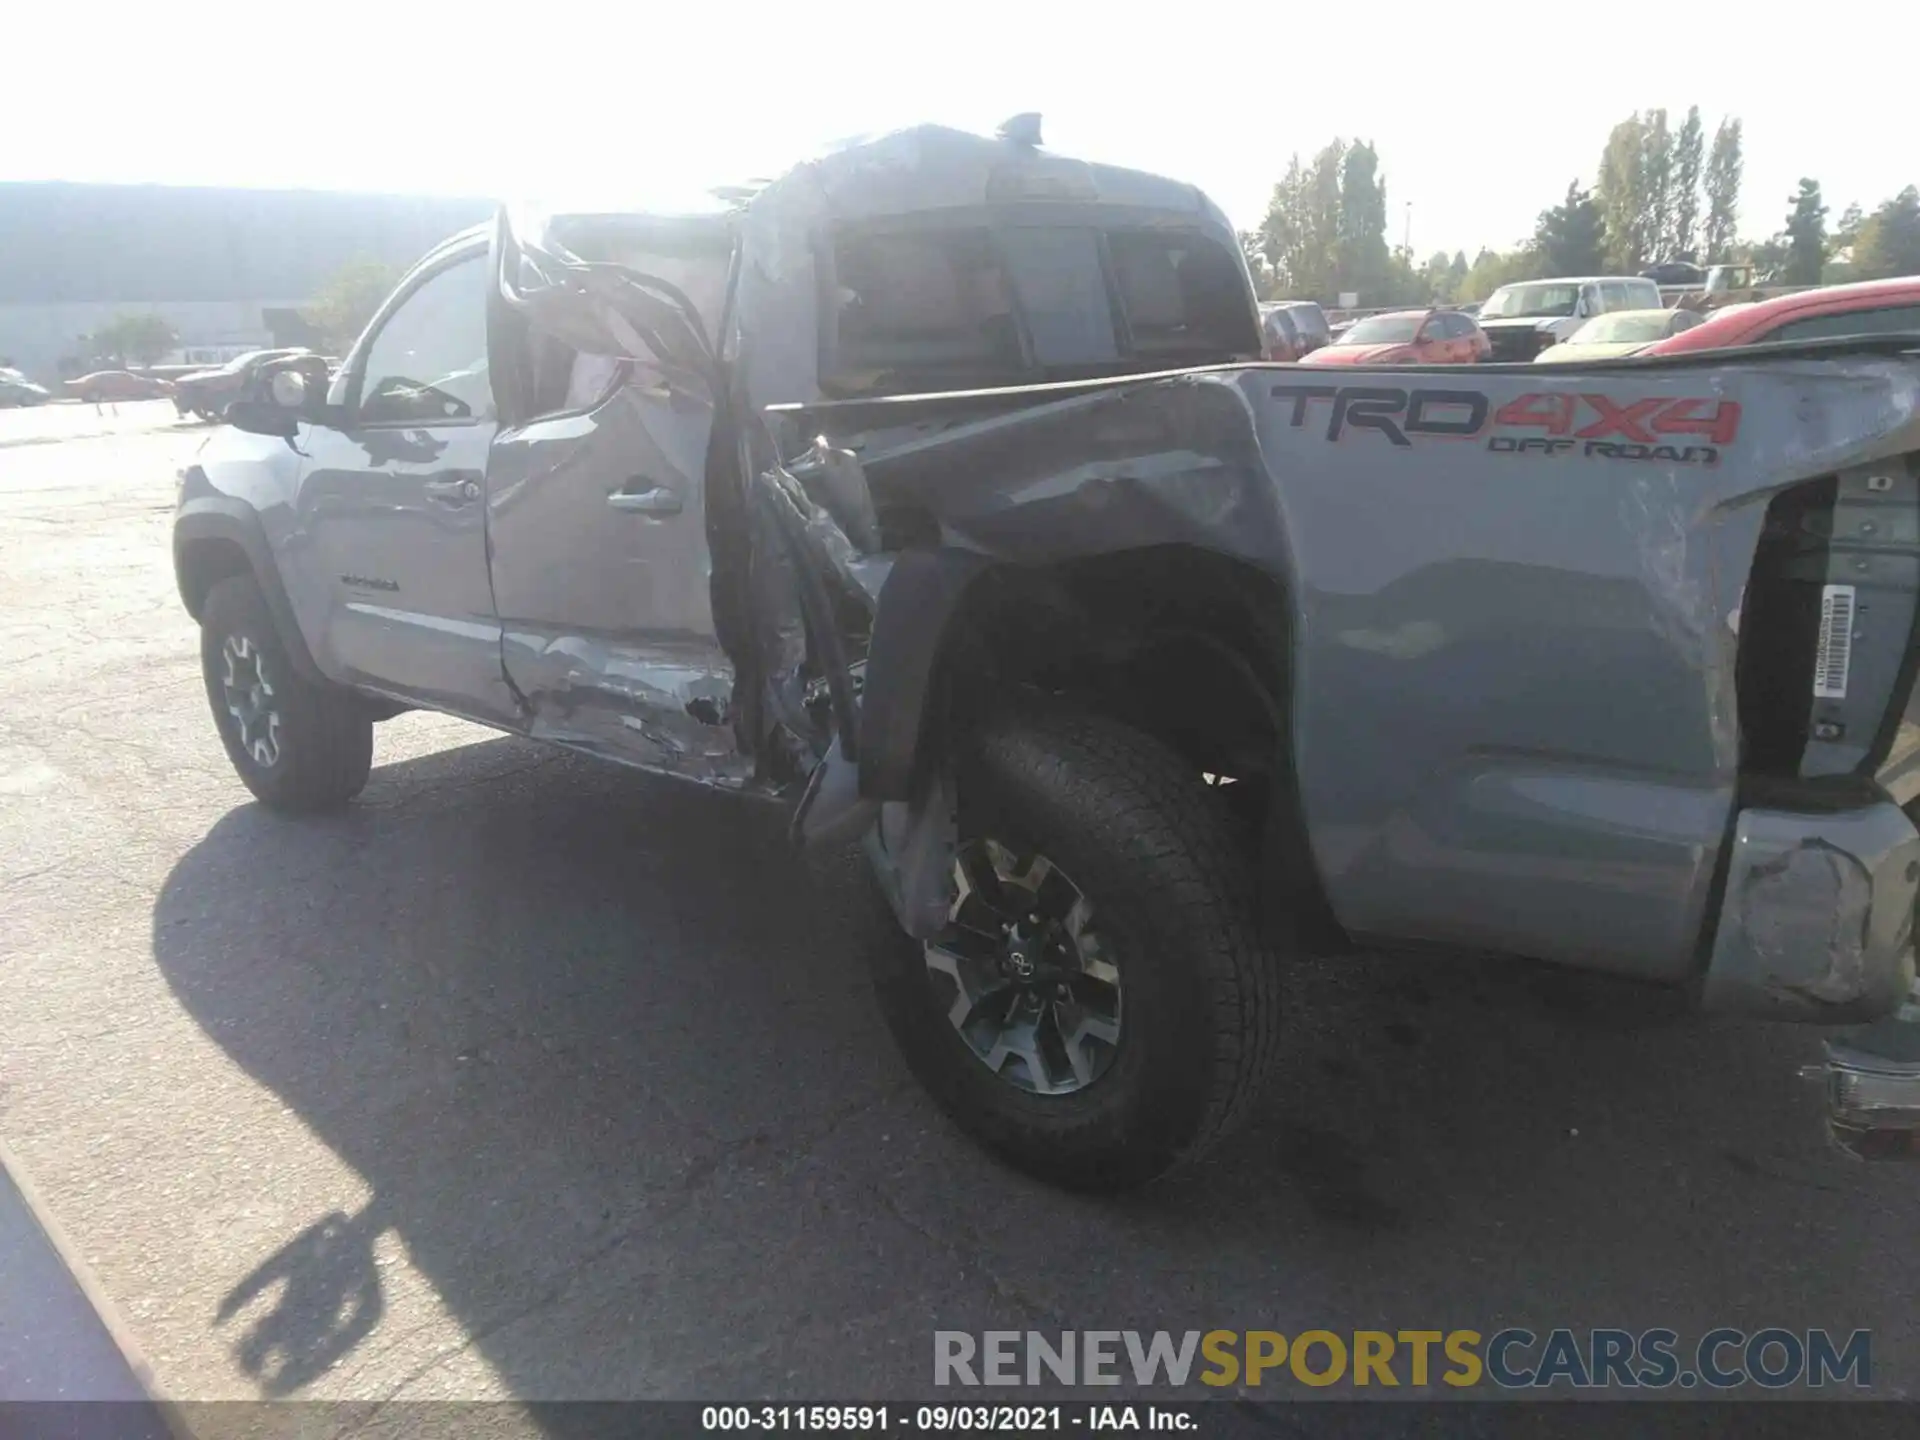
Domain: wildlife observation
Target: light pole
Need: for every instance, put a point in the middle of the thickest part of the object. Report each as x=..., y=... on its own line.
x=1406, y=235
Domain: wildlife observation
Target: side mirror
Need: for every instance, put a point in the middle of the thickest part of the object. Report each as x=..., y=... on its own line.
x=283, y=393
x=287, y=390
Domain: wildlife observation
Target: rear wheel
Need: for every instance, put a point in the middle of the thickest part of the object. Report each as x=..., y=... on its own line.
x=297, y=745
x=1102, y=1005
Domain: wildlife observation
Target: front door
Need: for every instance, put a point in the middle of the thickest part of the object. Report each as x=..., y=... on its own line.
x=597, y=508
x=392, y=500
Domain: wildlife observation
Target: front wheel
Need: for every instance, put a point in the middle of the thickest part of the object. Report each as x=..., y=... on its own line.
x=1103, y=1005
x=297, y=745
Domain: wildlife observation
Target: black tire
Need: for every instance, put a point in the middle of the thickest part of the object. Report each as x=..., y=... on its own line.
x=324, y=741
x=1152, y=849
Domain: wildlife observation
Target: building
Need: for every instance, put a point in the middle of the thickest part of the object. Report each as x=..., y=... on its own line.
x=229, y=269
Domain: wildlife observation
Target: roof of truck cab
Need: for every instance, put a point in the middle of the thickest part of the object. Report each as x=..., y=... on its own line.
x=932, y=167
x=1580, y=280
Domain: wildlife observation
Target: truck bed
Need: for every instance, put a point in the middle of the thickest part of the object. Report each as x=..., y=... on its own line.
x=1554, y=628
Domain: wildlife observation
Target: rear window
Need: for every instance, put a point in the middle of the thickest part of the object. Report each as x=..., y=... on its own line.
x=950, y=308
x=1384, y=330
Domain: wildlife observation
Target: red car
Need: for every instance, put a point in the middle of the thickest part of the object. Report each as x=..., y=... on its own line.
x=1874, y=307
x=105, y=385
x=1407, y=337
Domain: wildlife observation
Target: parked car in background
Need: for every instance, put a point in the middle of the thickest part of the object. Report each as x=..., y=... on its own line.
x=1525, y=318
x=1873, y=307
x=1407, y=337
x=109, y=385
x=1472, y=307
x=208, y=393
x=1279, y=336
x=1723, y=285
x=1675, y=272
x=1626, y=332
x=1311, y=321
x=16, y=389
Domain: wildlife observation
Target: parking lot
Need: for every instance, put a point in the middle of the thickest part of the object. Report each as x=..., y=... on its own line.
x=528, y=1077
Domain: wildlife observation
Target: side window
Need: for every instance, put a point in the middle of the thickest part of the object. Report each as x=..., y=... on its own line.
x=427, y=364
x=1643, y=295
x=1890, y=320
x=1614, y=295
x=1459, y=327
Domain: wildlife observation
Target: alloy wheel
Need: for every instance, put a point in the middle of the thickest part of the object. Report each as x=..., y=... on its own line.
x=1034, y=992
x=250, y=700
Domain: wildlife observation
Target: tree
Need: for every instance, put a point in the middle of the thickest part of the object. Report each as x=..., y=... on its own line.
x=1253, y=247
x=1325, y=228
x=1687, y=147
x=1656, y=179
x=1847, y=231
x=1491, y=269
x=1360, y=247
x=1723, y=190
x=141, y=338
x=1622, y=193
x=1889, y=240
x=1322, y=217
x=1806, y=235
x=1569, y=239
x=346, y=302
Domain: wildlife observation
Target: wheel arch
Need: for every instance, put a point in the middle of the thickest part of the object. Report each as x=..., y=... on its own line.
x=216, y=537
x=1187, y=644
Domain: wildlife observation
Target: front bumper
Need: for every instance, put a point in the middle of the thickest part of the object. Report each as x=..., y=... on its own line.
x=1518, y=343
x=1816, y=919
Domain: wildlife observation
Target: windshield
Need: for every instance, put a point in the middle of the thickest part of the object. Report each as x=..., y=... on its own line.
x=1511, y=302
x=1626, y=327
x=1383, y=330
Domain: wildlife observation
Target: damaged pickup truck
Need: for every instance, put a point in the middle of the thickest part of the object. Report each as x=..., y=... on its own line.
x=936, y=490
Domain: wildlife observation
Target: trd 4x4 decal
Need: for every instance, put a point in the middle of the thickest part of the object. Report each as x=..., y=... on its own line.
x=1687, y=431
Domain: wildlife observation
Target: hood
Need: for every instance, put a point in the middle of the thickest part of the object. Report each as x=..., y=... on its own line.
x=1338, y=354
x=1599, y=350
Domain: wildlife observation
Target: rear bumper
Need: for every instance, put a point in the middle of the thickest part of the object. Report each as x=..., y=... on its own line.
x=1816, y=920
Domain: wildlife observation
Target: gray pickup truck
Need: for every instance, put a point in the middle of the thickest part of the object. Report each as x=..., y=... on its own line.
x=936, y=490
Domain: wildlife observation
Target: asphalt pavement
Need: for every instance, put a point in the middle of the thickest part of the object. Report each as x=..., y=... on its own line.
x=531, y=1078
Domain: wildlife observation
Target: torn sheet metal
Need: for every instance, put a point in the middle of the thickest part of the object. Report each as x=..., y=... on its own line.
x=665, y=712
x=1818, y=922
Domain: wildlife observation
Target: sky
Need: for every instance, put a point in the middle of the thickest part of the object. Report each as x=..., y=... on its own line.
x=1481, y=112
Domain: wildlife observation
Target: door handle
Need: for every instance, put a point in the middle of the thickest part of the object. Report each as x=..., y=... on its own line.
x=658, y=500
x=460, y=490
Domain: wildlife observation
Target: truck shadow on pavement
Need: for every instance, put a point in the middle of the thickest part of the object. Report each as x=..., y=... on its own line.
x=603, y=1051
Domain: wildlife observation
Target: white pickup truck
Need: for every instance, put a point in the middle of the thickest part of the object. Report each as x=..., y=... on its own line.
x=1525, y=318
